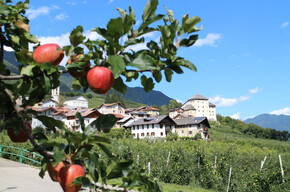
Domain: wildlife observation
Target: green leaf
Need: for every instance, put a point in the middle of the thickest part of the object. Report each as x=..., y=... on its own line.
x=30, y=38
x=104, y=122
x=76, y=37
x=43, y=167
x=149, y=9
x=143, y=61
x=170, y=14
x=115, y=28
x=58, y=156
x=147, y=83
x=150, y=20
x=51, y=123
x=157, y=76
x=81, y=120
x=168, y=74
x=188, y=64
x=15, y=39
x=117, y=65
x=188, y=24
x=143, y=80
x=47, y=83
x=119, y=85
x=76, y=84
x=28, y=70
x=98, y=139
x=188, y=42
x=134, y=41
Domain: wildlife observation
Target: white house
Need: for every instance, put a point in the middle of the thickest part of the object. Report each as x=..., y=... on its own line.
x=197, y=106
x=189, y=127
x=49, y=103
x=112, y=108
x=159, y=126
x=77, y=101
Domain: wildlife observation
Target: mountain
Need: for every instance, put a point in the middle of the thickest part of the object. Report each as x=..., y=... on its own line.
x=278, y=122
x=135, y=94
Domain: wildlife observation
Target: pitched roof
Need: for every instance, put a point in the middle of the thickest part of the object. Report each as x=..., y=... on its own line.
x=150, y=109
x=111, y=104
x=188, y=107
x=151, y=120
x=73, y=98
x=192, y=121
x=211, y=104
x=198, y=97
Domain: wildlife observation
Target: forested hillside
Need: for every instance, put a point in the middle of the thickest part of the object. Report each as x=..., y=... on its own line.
x=251, y=129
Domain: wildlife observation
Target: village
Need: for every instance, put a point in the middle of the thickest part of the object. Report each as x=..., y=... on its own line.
x=191, y=118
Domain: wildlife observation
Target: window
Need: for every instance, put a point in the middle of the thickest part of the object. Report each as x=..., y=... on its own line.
x=161, y=133
x=161, y=126
x=190, y=132
x=147, y=126
x=148, y=134
x=153, y=134
x=133, y=135
x=142, y=134
x=137, y=127
x=152, y=126
x=133, y=127
x=182, y=131
x=142, y=126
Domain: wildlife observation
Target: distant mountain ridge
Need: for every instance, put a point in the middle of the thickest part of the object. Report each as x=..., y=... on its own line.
x=278, y=122
x=136, y=94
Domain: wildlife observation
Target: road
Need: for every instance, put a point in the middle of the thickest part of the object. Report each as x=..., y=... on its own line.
x=17, y=177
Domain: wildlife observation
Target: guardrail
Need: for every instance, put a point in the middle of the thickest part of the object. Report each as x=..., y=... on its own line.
x=21, y=154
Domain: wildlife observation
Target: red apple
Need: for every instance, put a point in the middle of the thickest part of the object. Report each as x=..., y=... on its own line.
x=66, y=176
x=21, y=137
x=51, y=53
x=76, y=59
x=100, y=79
x=54, y=170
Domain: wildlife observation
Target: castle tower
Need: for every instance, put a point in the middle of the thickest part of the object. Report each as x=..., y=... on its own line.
x=55, y=94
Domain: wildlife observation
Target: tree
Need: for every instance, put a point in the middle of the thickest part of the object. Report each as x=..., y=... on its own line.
x=36, y=80
x=174, y=104
x=61, y=101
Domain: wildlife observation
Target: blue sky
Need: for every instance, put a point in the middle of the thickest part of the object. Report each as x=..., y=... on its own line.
x=242, y=55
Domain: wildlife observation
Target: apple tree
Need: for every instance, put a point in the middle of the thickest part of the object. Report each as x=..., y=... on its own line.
x=114, y=54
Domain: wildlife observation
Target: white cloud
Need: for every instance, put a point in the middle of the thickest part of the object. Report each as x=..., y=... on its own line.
x=244, y=98
x=111, y=1
x=33, y=13
x=61, y=16
x=247, y=54
x=219, y=101
x=284, y=111
x=285, y=24
x=210, y=40
x=223, y=102
x=254, y=90
x=260, y=59
x=236, y=115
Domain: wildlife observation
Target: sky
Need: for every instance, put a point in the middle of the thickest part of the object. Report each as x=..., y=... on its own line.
x=242, y=55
